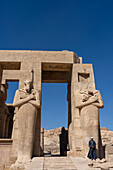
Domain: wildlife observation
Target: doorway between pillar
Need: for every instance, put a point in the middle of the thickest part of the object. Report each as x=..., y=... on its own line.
x=55, y=74
x=54, y=119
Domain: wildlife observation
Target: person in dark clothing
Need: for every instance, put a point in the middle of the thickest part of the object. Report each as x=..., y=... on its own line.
x=92, y=146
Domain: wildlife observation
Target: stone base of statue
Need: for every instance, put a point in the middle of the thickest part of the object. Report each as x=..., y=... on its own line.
x=17, y=166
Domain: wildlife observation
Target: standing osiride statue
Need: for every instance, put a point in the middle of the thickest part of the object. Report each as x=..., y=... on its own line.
x=88, y=102
x=27, y=102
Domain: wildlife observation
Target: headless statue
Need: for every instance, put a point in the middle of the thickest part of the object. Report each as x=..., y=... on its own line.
x=26, y=102
x=88, y=103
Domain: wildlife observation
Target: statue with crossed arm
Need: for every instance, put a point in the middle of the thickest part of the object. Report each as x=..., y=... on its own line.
x=27, y=102
x=88, y=102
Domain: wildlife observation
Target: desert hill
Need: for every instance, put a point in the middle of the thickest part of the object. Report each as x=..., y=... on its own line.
x=51, y=139
x=107, y=136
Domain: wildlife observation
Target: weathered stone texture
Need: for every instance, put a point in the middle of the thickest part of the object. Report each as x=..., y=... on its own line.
x=109, y=152
x=58, y=67
x=5, y=151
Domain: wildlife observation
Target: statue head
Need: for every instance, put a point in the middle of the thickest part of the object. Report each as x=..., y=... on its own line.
x=28, y=85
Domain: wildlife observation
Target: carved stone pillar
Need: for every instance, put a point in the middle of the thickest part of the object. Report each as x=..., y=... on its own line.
x=69, y=103
x=79, y=129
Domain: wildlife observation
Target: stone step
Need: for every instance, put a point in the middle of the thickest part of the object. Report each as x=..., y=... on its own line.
x=60, y=168
x=61, y=163
x=36, y=164
x=53, y=165
x=7, y=168
x=49, y=166
x=58, y=161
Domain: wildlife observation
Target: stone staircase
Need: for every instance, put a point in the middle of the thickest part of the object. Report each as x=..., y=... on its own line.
x=36, y=164
x=58, y=163
x=48, y=163
x=54, y=163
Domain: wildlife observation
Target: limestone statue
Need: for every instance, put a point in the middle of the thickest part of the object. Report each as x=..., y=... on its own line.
x=27, y=102
x=88, y=103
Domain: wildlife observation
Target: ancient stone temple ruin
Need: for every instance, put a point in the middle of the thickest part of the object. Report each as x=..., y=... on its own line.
x=20, y=123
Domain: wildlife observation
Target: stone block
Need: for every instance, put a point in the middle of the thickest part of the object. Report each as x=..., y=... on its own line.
x=109, y=149
x=5, y=151
x=109, y=153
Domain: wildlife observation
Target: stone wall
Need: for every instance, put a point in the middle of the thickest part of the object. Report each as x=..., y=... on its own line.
x=5, y=151
x=109, y=153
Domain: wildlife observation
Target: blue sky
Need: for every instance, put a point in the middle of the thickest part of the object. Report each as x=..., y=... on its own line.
x=82, y=26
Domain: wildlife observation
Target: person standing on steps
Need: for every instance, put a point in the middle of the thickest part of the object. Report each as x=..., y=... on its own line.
x=92, y=146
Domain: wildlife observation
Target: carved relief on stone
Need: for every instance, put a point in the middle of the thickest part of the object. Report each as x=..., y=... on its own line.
x=85, y=97
x=83, y=77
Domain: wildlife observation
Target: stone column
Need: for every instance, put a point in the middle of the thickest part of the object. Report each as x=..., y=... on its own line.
x=0, y=90
x=42, y=142
x=69, y=103
x=69, y=115
x=3, y=107
x=36, y=149
x=0, y=75
x=63, y=142
x=82, y=78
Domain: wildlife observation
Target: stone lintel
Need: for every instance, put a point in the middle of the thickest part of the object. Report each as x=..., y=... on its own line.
x=43, y=56
x=14, y=65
